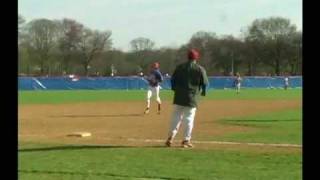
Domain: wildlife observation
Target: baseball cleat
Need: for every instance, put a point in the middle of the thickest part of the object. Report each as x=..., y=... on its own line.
x=146, y=111
x=186, y=144
x=169, y=142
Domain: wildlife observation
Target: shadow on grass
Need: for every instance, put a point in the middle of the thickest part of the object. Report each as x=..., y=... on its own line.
x=70, y=147
x=106, y=115
x=92, y=173
x=262, y=121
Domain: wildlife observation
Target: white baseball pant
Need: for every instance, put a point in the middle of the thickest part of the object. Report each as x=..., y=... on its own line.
x=238, y=86
x=185, y=115
x=153, y=91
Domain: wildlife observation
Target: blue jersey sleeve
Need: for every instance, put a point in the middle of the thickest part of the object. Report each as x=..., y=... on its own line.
x=159, y=76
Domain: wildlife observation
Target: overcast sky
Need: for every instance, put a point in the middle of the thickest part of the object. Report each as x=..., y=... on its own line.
x=166, y=22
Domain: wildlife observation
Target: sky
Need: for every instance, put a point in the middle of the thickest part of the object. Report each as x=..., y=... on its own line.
x=168, y=23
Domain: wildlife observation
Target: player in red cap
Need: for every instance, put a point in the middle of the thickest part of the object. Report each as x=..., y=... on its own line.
x=154, y=79
x=188, y=81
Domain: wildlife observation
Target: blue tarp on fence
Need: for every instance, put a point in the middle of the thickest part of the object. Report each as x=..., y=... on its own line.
x=64, y=83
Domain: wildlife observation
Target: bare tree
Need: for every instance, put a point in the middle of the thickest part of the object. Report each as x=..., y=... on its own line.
x=294, y=53
x=274, y=33
x=41, y=39
x=142, y=51
x=91, y=44
x=252, y=51
x=141, y=44
x=202, y=40
x=53, y=46
x=21, y=22
x=71, y=32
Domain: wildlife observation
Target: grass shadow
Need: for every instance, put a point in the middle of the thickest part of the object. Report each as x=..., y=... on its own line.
x=260, y=120
x=103, y=174
x=105, y=115
x=80, y=147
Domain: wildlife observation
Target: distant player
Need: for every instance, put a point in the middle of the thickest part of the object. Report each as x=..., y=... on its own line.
x=286, y=83
x=154, y=79
x=237, y=82
x=73, y=77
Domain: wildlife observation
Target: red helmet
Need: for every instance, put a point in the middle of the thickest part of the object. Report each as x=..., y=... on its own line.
x=156, y=65
x=193, y=54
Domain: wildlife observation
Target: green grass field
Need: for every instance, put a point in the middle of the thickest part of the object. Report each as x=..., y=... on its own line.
x=276, y=127
x=68, y=162
x=156, y=163
x=68, y=96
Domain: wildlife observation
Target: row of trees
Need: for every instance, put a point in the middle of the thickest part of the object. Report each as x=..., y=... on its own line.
x=58, y=47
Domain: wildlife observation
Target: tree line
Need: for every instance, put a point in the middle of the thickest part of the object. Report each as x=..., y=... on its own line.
x=268, y=46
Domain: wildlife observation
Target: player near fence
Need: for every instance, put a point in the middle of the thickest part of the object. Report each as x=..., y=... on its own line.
x=154, y=79
x=237, y=82
x=286, y=83
x=188, y=81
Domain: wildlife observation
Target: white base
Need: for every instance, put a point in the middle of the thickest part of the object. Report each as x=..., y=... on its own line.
x=80, y=134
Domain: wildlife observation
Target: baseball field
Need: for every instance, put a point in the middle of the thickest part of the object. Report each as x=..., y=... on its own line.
x=254, y=135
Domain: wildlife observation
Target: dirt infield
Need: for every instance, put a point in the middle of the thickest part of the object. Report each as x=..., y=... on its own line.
x=116, y=122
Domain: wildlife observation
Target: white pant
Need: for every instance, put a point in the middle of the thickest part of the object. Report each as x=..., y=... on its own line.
x=150, y=92
x=238, y=85
x=185, y=115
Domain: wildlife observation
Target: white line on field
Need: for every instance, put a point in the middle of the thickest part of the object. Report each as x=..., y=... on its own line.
x=195, y=142
x=223, y=142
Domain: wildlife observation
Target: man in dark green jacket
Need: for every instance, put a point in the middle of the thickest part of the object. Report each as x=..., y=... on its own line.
x=188, y=81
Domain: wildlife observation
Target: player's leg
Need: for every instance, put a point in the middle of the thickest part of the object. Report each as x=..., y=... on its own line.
x=188, y=120
x=175, y=123
x=157, y=92
x=149, y=95
x=238, y=87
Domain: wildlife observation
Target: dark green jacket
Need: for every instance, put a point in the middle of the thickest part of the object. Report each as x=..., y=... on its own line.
x=188, y=81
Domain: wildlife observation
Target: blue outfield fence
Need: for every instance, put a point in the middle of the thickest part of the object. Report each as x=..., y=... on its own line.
x=65, y=83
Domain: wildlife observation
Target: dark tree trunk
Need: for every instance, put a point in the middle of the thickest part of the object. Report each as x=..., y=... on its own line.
x=250, y=69
x=86, y=67
x=277, y=67
x=86, y=70
x=42, y=67
x=28, y=69
x=66, y=63
x=293, y=68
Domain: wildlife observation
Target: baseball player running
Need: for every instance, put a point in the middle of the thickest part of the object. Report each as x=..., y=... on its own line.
x=187, y=81
x=154, y=79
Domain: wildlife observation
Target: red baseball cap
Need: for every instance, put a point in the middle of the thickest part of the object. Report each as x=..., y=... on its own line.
x=156, y=65
x=193, y=54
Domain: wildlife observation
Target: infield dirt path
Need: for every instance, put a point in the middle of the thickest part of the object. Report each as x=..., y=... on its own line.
x=115, y=122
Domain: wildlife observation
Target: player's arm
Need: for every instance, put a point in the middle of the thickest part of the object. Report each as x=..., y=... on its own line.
x=160, y=77
x=173, y=80
x=204, y=81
